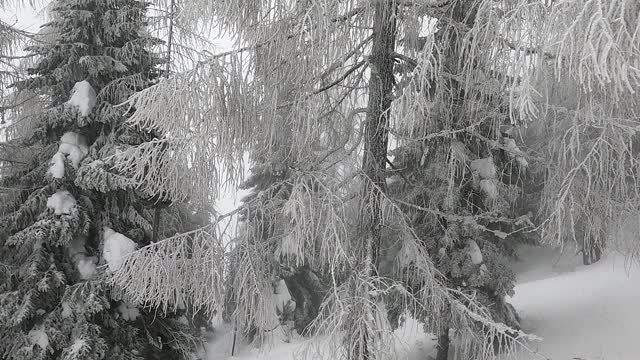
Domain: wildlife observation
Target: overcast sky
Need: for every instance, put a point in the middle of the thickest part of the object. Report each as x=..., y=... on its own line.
x=25, y=18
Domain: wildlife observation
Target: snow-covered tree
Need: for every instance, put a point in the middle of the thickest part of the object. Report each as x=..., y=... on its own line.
x=68, y=221
x=320, y=92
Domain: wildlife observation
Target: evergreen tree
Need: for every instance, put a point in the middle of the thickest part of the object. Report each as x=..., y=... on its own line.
x=325, y=89
x=69, y=221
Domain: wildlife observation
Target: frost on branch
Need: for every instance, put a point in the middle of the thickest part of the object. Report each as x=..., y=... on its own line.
x=61, y=202
x=115, y=248
x=83, y=97
x=186, y=268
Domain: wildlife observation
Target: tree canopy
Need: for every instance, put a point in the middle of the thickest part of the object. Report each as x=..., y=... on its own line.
x=387, y=140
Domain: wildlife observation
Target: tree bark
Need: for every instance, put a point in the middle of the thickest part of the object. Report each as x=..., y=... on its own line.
x=443, y=344
x=376, y=132
x=376, y=137
x=591, y=252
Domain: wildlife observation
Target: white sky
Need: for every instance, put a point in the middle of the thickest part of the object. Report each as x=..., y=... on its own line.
x=25, y=18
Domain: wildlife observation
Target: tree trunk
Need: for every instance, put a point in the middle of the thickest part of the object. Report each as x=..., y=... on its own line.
x=443, y=344
x=376, y=136
x=591, y=252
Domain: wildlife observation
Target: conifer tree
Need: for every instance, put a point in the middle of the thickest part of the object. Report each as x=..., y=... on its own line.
x=68, y=220
x=332, y=87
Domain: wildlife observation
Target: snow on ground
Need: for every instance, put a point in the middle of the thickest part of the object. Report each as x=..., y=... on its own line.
x=581, y=312
x=411, y=344
x=538, y=263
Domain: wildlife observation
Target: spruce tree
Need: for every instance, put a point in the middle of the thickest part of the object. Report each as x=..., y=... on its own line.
x=69, y=220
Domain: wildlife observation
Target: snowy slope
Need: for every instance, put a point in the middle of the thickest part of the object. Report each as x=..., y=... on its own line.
x=411, y=344
x=581, y=312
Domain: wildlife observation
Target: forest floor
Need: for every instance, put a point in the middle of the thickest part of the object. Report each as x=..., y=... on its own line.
x=581, y=312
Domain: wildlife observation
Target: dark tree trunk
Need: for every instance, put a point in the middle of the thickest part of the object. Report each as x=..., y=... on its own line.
x=443, y=344
x=308, y=291
x=377, y=121
x=376, y=136
x=591, y=252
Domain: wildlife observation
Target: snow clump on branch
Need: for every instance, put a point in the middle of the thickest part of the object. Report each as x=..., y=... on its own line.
x=514, y=152
x=128, y=311
x=72, y=146
x=83, y=97
x=61, y=202
x=115, y=248
x=37, y=336
x=484, y=171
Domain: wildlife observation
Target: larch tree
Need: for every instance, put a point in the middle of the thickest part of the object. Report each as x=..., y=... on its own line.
x=393, y=133
x=589, y=128
x=11, y=38
x=67, y=220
